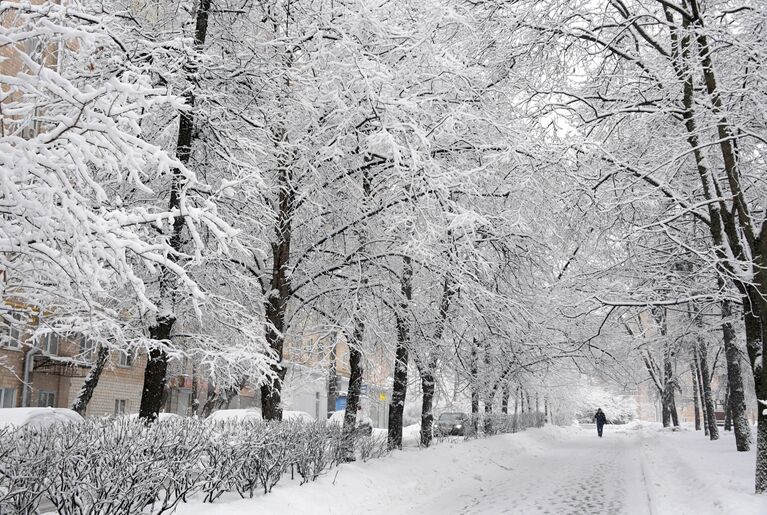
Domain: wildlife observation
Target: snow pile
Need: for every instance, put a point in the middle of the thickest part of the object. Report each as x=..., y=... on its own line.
x=37, y=418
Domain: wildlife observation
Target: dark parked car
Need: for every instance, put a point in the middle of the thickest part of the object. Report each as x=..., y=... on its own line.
x=453, y=424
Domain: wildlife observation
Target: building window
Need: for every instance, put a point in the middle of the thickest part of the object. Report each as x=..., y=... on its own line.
x=120, y=406
x=86, y=347
x=125, y=359
x=46, y=399
x=7, y=397
x=12, y=332
x=49, y=344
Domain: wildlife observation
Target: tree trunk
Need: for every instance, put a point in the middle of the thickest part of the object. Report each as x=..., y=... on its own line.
x=505, y=399
x=276, y=303
x=713, y=431
x=488, y=426
x=485, y=390
x=669, y=381
x=474, y=373
x=332, y=379
x=157, y=362
x=727, y=412
x=665, y=411
x=737, y=395
x=210, y=400
x=355, y=387
x=674, y=414
x=427, y=407
x=195, y=404
x=756, y=336
x=399, y=388
x=91, y=381
x=155, y=371
x=399, y=392
x=428, y=369
x=694, y=377
x=703, y=412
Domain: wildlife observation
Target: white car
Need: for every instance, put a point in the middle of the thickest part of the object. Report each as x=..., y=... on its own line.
x=37, y=418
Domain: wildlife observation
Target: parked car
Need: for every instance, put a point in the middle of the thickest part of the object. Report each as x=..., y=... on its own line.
x=37, y=418
x=452, y=423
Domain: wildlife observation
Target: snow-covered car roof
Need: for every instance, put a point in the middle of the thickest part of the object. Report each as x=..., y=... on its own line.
x=235, y=414
x=39, y=418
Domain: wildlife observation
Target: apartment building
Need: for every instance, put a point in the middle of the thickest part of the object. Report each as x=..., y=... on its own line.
x=50, y=371
x=317, y=379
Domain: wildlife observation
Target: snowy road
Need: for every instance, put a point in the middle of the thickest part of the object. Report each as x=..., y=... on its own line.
x=558, y=471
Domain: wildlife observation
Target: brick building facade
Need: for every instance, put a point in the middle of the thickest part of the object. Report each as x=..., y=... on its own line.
x=55, y=367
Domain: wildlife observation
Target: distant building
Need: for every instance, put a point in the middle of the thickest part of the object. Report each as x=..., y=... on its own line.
x=51, y=372
x=316, y=359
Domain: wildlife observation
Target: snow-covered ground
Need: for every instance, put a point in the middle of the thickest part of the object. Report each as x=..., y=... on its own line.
x=635, y=469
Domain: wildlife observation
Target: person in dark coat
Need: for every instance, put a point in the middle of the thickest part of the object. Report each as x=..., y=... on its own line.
x=600, y=419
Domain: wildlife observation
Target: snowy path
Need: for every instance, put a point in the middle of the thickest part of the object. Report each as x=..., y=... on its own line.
x=547, y=471
x=578, y=475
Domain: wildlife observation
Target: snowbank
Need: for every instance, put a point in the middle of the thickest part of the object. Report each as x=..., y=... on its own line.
x=38, y=418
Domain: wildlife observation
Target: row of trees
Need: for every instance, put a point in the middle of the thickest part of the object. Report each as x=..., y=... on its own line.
x=668, y=139
x=489, y=189
x=198, y=180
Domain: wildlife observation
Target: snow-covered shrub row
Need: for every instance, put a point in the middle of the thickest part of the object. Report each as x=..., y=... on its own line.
x=122, y=466
x=495, y=423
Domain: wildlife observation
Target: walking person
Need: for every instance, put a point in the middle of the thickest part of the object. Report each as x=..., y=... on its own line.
x=600, y=419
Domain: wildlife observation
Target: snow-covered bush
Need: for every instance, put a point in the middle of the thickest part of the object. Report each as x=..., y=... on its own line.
x=122, y=466
x=23, y=457
x=318, y=450
x=488, y=424
x=372, y=446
